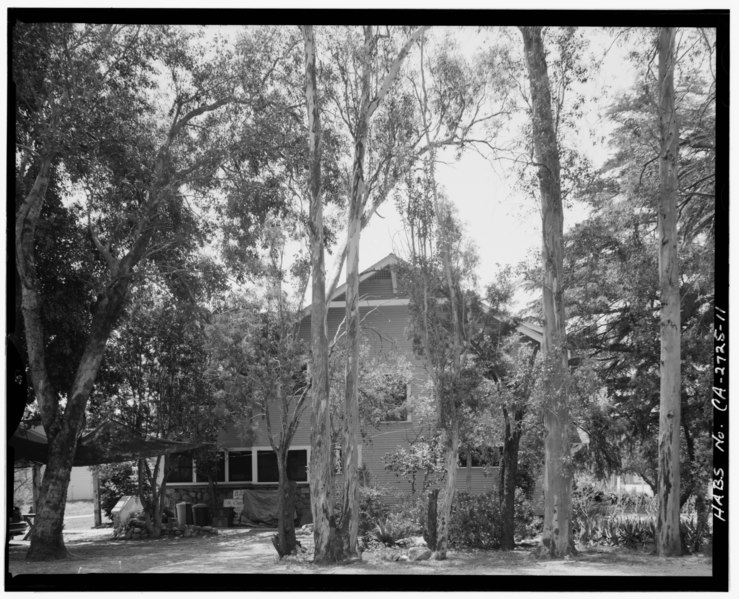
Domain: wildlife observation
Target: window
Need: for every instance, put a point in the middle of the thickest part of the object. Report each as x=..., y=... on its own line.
x=268, y=472
x=239, y=466
x=216, y=468
x=267, y=467
x=247, y=465
x=395, y=397
x=180, y=468
x=297, y=465
x=481, y=457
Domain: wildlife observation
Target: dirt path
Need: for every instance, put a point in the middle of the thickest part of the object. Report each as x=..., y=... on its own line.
x=239, y=551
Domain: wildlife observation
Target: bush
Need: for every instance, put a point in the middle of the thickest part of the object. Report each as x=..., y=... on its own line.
x=116, y=481
x=476, y=521
x=372, y=509
x=526, y=524
x=392, y=529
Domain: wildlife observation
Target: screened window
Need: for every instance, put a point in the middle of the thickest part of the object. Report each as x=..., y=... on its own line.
x=297, y=465
x=216, y=468
x=180, y=468
x=481, y=457
x=239, y=466
x=268, y=472
x=267, y=467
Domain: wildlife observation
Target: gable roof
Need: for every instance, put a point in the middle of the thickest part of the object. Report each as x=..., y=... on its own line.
x=389, y=260
x=528, y=329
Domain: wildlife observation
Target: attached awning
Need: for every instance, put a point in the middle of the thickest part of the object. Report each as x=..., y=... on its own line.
x=108, y=443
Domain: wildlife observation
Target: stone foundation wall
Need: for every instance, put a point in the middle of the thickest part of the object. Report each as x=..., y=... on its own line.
x=201, y=494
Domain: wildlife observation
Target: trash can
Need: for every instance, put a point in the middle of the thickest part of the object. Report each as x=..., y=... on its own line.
x=230, y=512
x=184, y=513
x=200, y=514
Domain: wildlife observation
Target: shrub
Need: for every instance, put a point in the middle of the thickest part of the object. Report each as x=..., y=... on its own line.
x=116, y=481
x=526, y=523
x=694, y=538
x=372, y=508
x=399, y=524
x=476, y=521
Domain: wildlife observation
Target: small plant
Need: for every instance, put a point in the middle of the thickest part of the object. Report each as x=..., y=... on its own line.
x=635, y=532
x=526, y=523
x=393, y=528
x=384, y=533
x=372, y=508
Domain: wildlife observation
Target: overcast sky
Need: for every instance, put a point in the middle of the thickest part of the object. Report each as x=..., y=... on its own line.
x=504, y=225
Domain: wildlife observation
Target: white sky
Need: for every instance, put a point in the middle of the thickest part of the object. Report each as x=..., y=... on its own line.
x=504, y=225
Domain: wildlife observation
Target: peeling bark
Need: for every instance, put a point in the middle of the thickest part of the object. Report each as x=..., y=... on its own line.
x=557, y=534
x=446, y=495
x=321, y=473
x=668, y=516
x=350, y=499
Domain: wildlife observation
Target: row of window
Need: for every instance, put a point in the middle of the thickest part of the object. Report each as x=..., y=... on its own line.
x=481, y=458
x=260, y=465
x=250, y=466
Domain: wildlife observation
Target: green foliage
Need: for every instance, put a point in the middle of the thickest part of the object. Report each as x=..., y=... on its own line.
x=421, y=458
x=384, y=379
x=476, y=521
x=526, y=523
x=627, y=520
x=116, y=481
x=403, y=520
x=612, y=291
x=153, y=377
x=373, y=508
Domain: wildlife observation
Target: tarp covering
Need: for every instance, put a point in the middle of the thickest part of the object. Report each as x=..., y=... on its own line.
x=108, y=443
x=260, y=507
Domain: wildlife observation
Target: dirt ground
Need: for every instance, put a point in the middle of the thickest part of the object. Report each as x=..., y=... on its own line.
x=249, y=551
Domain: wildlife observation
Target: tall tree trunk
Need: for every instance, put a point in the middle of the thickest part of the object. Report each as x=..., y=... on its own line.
x=668, y=517
x=509, y=472
x=557, y=534
x=429, y=533
x=446, y=495
x=284, y=541
x=321, y=473
x=47, y=542
x=350, y=500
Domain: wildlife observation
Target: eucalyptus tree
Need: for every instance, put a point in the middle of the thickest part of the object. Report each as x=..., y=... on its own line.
x=613, y=301
x=438, y=278
x=337, y=540
x=557, y=535
x=668, y=516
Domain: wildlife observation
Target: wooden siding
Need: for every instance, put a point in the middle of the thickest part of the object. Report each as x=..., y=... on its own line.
x=392, y=435
x=234, y=435
x=385, y=329
x=379, y=286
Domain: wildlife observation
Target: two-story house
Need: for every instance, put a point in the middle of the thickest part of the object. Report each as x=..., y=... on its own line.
x=248, y=473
